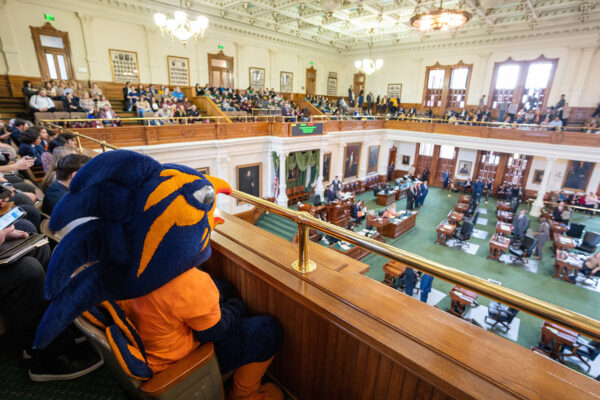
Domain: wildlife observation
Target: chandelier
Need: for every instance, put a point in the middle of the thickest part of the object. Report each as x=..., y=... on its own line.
x=368, y=65
x=441, y=19
x=180, y=26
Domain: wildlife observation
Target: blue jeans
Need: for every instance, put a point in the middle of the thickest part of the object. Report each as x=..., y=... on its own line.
x=501, y=116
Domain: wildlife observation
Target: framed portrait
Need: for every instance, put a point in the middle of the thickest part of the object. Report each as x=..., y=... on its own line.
x=249, y=179
x=204, y=170
x=464, y=167
x=286, y=82
x=124, y=66
x=257, y=78
x=332, y=84
x=538, y=175
x=405, y=160
x=326, y=167
x=373, y=159
x=578, y=175
x=394, y=90
x=351, y=160
x=179, y=70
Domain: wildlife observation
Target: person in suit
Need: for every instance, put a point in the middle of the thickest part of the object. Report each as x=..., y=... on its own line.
x=520, y=226
x=350, y=96
x=330, y=193
x=391, y=169
x=423, y=190
x=337, y=184
x=358, y=212
x=477, y=190
x=542, y=235
x=317, y=200
x=446, y=178
x=425, y=175
x=370, y=101
x=487, y=189
x=425, y=286
x=411, y=195
x=556, y=213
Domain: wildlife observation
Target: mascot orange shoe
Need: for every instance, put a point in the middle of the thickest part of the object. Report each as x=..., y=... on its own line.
x=132, y=271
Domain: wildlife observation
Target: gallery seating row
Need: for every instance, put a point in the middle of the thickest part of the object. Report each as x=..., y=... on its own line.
x=296, y=194
x=40, y=116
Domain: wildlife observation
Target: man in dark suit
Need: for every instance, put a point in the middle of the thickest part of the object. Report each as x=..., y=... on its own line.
x=477, y=190
x=556, y=213
x=520, y=226
x=330, y=194
x=370, y=101
x=350, y=96
x=411, y=195
x=446, y=178
x=337, y=184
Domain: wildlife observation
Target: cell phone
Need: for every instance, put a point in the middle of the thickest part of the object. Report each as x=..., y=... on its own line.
x=11, y=217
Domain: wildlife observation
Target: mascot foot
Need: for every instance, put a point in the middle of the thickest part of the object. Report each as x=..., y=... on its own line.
x=246, y=383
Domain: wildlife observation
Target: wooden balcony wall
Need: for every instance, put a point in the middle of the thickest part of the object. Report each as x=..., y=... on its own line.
x=348, y=337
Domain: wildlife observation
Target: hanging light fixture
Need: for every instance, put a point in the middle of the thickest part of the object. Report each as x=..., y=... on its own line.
x=368, y=65
x=180, y=26
x=440, y=19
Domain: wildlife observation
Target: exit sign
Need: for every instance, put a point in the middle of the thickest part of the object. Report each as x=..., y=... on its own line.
x=220, y=47
x=49, y=17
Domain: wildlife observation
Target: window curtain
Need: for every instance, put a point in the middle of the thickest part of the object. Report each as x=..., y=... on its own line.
x=308, y=160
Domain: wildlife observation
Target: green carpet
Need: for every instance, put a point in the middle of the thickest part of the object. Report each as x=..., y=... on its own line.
x=420, y=240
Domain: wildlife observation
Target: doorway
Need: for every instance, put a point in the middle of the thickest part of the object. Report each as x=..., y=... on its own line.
x=220, y=70
x=53, y=51
x=311, y=81
x=360, y=79
x=391, y=169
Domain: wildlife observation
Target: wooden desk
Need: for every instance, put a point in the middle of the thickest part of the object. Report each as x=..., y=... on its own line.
x=503, y=228
x=503, y=206
x=505, y=216
x=563, y=242
x=455, y=217
x=464, y=198
x=462, y=301
x=461, y=207
x=401, y=193
x=566, y=264
x=498, y=246
x=444, y=232
x=557, y=227
x=352, y=251
x=384, y=199
x=338, y=212
x=393, y=269
x=396, y=227
x=552, y=333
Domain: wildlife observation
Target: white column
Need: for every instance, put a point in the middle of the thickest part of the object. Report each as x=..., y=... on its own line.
x=225, y=203
x=579, y=82
x=282, y=199
x=538, y=204
x=364, y=160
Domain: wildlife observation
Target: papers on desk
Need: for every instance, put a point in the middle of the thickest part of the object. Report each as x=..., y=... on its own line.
x=565, y=240
x=344, y=246
x=367, y=233
x=448, y=226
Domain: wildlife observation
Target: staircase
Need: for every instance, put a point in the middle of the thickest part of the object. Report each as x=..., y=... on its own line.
x=11, y=106
x=278, y=225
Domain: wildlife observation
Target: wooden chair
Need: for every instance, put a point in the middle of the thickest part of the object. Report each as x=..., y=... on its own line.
x=197, y=376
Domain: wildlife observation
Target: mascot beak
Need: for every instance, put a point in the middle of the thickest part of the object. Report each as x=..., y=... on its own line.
x=220, y=186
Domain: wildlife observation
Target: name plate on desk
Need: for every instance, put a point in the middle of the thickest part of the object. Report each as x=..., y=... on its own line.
x=306, y=129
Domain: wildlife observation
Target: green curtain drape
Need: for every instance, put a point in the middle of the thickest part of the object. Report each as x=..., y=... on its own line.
x=303, y=160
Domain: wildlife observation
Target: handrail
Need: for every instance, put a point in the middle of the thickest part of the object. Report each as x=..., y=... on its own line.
x=536, y=307
x=103, y=144
x=187, y=120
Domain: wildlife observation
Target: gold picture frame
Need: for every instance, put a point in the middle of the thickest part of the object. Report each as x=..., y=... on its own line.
x=246, y=186
x=352, y=160
x=257, y=78
x=124, y=66
x=394, y=90
x=204, y=170
x=373, y=159
x=286, y=82
x=326, y=167
x=179, y=70
x=578, y=180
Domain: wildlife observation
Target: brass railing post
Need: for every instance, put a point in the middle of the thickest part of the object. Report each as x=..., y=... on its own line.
x=79, y=144
x=303, y=264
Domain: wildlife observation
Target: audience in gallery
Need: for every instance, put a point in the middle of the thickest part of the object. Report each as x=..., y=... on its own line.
x=66, y=168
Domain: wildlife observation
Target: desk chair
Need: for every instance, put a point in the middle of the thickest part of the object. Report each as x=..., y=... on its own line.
x=473, y=219
x=525, y=250
x=197, y=376
x=590, y=242
x=575, y=230
x=500, y=314
x=586, y=351
x=464, y=234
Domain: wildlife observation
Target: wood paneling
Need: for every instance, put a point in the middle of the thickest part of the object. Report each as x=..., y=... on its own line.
x=349, y=337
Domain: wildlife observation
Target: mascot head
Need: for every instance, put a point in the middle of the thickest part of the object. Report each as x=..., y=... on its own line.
x=150, y=223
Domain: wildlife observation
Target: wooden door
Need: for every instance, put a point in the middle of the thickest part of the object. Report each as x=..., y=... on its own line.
x=311, y=81
x=360, y=79
x=443, y=164
x=53, y=51
x=220, y=70
x=392, y=161
x=517, y=169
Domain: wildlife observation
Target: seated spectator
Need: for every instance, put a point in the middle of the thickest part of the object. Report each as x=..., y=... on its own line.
x=180, y=114
x=66, y=168
x=18, y=127
x=141, y=91
x=30, y=139
x=107, y=114
x=129, y=97
x=556, y=123
x=102, y=101
x=71, y=104
x=164, y=113
x=87, y=104
x=40, y=102
x=95, y=91
x=57, y=154
x=142, y=106
x=50, y=91
x=154, y=104
x=591, y=126
x=28, y=90
x=193, y=112
x=178, y=94
x=152, y=91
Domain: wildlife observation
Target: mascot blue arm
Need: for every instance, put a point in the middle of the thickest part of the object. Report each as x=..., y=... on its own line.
x=153, y=222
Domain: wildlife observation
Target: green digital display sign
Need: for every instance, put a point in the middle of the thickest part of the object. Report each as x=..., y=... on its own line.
x=49, y=17
x=306, y=129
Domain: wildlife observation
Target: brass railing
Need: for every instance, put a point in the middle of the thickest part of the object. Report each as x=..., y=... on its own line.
x=536, y=307
x=78, y=136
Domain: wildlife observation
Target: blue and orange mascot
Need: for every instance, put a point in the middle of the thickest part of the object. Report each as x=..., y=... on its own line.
x=131, y=269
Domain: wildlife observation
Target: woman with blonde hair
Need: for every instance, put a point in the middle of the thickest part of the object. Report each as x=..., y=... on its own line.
x=57, y=154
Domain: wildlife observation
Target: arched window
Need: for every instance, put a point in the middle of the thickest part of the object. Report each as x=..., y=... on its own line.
x=446, y=86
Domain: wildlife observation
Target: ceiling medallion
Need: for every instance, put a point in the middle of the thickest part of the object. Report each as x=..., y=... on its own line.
x=440, y=19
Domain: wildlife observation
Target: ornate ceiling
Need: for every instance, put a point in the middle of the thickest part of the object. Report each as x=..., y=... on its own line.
x=352, y=24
